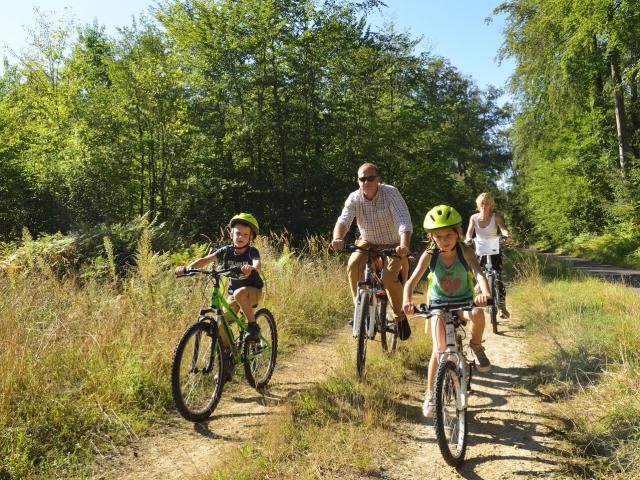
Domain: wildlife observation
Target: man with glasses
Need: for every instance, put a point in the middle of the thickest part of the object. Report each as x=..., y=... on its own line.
x=383, y=219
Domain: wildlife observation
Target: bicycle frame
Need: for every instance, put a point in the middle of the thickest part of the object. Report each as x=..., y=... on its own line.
x=455, y=352
x=453, y=340
x=221, y=308
x=490, y=272
x=372, y=283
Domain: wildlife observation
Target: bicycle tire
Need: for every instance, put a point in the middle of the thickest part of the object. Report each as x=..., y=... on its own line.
x=197, y=372
x=450, y=421
x=388, y=329
x=493, y=309
x=259, y=358
x=361, y=349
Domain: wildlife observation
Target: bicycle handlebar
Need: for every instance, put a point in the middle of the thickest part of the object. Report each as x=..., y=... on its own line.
x=387, y=252
x=424, y=309
x=228, y=272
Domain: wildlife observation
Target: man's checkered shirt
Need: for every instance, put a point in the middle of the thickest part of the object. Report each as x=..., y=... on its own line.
x=381, y=220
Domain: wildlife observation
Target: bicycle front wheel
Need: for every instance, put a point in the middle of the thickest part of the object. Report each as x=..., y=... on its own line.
x=260, y=357
x=388, y=328
x=450, y=419
x=493, y=309
x=361, y=350
x=197, y=372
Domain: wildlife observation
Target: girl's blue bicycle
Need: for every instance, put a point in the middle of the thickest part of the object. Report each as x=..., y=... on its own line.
x=208, y=351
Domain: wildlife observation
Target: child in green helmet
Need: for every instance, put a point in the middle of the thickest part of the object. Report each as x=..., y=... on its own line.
x=244, y=292
x=450, y=282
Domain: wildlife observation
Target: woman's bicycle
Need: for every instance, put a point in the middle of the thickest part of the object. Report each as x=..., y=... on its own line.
x=485, y=248
x=370, y=312
x=202, y=361
x=453, y=381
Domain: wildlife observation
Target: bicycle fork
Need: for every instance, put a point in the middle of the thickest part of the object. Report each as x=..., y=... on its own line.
x=370, y=327
x=463, y=368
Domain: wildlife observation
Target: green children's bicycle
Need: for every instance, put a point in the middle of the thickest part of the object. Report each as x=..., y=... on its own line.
x=203, y=361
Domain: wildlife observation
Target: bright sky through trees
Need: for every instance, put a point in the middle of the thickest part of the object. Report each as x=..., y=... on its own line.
x=455, y=30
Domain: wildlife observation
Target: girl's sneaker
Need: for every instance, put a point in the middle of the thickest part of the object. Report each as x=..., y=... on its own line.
x=429, y=403
x=483, y=364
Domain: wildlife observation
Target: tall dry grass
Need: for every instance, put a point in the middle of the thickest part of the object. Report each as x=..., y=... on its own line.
x=586, y=348
x=85, y=361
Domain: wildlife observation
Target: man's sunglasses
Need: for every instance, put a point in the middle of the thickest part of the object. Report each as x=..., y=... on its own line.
x=368, y=178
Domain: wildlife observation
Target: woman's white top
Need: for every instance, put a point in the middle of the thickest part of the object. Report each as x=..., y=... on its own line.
x=487, y=240
x=491, y=230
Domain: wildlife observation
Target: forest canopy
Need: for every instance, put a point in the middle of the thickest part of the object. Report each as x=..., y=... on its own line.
x=203, y=109
x=576, y=138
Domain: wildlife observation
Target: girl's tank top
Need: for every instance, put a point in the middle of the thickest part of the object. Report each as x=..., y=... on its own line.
x=490, y=231
x=450, y=284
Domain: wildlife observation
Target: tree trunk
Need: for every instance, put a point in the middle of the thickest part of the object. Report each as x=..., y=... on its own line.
x=633, y=115
x=618, y=102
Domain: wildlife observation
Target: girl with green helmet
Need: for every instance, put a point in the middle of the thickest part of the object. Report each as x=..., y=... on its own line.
x=244, y=292
x=450, y=262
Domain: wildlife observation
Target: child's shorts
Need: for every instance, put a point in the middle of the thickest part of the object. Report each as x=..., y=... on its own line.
x=255, y=295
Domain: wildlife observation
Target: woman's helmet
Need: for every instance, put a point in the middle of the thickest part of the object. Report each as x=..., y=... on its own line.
x=442, y=216
x=246, y=219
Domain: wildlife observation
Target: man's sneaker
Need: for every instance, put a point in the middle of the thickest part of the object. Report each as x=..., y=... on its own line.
x=504, y=313
x=429, y=403
x=483, y=364
x=253, y=332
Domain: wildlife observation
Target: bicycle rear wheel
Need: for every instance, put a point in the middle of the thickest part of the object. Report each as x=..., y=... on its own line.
x=388, y=328
x=361, y=349
x=197, y=372
x=493, y=309
x=260, y=357
x=450, y=420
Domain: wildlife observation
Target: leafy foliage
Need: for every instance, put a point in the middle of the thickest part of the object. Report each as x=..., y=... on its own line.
x=204, y=109
x=576, y=137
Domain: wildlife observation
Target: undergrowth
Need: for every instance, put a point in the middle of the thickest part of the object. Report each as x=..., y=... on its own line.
x=586, y=348
x=85, y=359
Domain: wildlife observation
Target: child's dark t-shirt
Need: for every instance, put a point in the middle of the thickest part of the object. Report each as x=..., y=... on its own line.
x=228, y=258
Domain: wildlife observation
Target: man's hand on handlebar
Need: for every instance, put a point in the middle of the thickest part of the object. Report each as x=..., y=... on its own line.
x=402, y=250
x=408, y=308
x=482, y=300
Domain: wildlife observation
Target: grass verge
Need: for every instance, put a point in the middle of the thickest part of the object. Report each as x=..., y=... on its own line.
x=85, y=360
x=586, y=347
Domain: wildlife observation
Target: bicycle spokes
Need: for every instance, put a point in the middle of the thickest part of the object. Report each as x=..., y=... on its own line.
x=196, y=372
x=451, y=408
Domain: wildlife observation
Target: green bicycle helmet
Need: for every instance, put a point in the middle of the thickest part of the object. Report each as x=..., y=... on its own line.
x=246, y=219
x=442, y=216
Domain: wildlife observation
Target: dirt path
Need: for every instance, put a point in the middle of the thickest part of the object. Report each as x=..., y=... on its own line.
x=509, y=431
x=509, y=437
x=185, y=450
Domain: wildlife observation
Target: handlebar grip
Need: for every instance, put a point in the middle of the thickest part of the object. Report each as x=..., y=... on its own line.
x=422, y=308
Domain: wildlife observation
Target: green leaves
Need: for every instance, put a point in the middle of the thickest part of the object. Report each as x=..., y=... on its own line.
x=211, y=108
x=576, y=143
